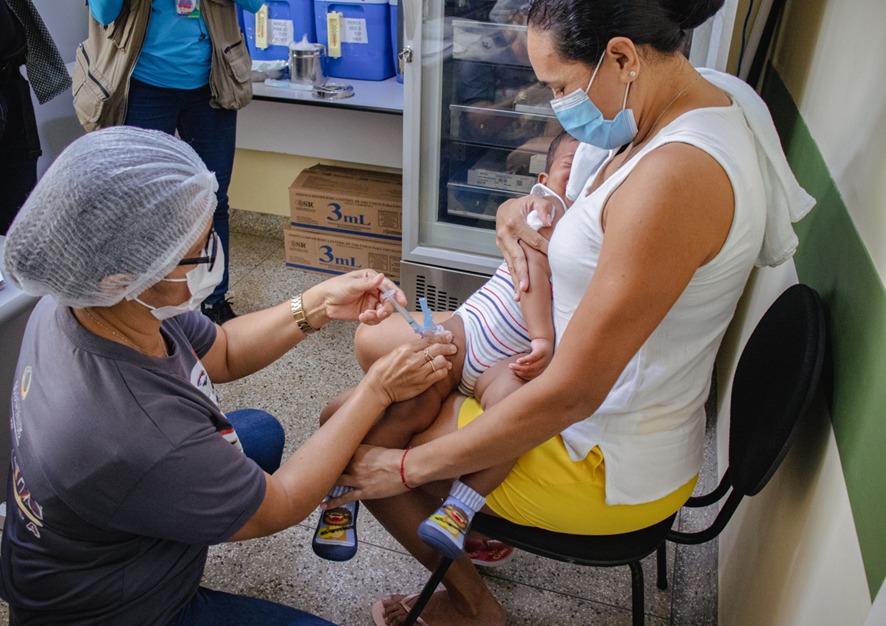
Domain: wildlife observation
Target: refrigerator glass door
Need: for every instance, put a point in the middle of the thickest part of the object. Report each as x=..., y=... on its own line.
x=477, y=128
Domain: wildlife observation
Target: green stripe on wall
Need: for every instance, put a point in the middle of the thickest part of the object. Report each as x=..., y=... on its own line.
x=832, y=259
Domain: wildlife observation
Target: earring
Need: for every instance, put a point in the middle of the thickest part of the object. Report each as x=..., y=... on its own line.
x=632, y=74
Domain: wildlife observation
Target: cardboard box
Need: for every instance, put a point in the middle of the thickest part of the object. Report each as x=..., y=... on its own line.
x=348, y=201
x=334, y=253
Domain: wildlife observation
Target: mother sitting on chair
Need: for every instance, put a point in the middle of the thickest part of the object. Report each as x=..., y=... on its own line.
x=647, y=268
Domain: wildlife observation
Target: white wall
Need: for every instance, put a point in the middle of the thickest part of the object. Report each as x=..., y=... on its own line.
x=877, y=616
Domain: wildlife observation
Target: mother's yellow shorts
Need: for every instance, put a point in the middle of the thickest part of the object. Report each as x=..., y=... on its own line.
x=547, y=489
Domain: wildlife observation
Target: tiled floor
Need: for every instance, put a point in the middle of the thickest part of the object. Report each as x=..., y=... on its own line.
x=283, y=568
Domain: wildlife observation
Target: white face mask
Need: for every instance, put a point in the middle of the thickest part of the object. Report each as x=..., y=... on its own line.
x=201, y=280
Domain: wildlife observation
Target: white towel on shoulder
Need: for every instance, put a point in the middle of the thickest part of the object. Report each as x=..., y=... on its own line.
x=786, y=200
x=585, y=163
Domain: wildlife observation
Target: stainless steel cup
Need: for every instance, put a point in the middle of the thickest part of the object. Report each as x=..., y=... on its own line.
x=305, y=66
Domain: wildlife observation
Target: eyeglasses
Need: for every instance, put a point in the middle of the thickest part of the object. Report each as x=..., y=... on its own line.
x=211, y=250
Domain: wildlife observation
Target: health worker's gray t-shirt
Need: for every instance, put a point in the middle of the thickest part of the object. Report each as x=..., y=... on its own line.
x=124, y=471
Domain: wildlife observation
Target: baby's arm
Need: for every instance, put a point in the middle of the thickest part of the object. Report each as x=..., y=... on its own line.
x=536, y=307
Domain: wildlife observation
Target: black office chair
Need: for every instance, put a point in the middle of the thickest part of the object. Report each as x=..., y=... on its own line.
x=775, y=381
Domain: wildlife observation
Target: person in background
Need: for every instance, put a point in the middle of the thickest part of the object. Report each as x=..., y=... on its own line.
x=171, y=89
x=647, y=268
x=123, y=467
x=24, y=40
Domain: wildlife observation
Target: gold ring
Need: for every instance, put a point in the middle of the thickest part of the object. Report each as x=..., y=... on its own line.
x=433, y=369
x=428, y=356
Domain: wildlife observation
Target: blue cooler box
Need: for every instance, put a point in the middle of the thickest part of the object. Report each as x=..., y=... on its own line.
x=366, y=51
x=395, y=39
x=281, y=13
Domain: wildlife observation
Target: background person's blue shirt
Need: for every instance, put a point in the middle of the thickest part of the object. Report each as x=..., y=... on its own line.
x=177, y=51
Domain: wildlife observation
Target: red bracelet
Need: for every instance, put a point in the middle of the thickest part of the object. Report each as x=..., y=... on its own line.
x=403, y=467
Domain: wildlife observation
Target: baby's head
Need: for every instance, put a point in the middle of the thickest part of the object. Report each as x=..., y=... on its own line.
x=559, y=163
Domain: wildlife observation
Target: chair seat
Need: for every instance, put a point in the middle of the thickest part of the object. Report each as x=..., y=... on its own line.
x=595, y=550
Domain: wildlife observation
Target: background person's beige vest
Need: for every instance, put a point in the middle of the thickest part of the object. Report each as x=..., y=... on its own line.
x=106, y=59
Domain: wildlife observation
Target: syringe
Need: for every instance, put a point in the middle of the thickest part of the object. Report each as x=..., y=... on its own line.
x=389, y=296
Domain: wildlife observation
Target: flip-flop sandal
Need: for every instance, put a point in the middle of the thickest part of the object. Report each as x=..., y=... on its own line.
x=493, y=554
x=378, y=611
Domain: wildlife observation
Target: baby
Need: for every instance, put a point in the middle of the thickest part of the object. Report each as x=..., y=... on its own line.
x=504, y=343
x=501, y=344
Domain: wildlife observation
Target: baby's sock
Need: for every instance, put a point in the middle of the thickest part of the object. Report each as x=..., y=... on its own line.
x=445, y=530
x=336, y=536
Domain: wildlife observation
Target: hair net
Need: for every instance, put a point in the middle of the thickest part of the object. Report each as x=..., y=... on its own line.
x=114, y=214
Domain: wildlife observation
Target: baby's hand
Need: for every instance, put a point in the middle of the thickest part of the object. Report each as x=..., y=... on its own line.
x=531, y=365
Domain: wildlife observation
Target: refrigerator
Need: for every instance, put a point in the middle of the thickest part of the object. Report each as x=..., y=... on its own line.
x=476, y=129
x=477, y=126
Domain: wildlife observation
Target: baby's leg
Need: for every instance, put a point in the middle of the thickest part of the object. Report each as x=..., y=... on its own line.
x=485, y=481
x=395, y=429
x=497, y=383
x=492, y=387
x=373, y=342
x=403, y=420
x=447, y=528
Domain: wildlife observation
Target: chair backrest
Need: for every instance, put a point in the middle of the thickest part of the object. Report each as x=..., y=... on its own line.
x=775, y=381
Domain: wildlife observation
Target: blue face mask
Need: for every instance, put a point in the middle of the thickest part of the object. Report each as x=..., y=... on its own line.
x=583, y=120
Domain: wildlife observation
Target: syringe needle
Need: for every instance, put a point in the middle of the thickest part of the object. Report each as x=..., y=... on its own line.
x=389, y=296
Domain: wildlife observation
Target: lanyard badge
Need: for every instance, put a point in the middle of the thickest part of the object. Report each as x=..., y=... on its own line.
x=187, y=8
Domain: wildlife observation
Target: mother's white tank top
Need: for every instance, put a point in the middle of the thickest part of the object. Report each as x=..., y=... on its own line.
x=650, y=427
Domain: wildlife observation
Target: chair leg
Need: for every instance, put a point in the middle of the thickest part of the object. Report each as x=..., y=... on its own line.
x=638, y=608
x=428, y=590
x=662, y=562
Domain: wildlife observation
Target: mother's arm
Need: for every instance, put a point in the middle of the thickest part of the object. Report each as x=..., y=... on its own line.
x=511, y=228
x=661, y=225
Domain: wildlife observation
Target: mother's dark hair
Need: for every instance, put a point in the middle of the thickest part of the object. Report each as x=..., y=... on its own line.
x=582, y=28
